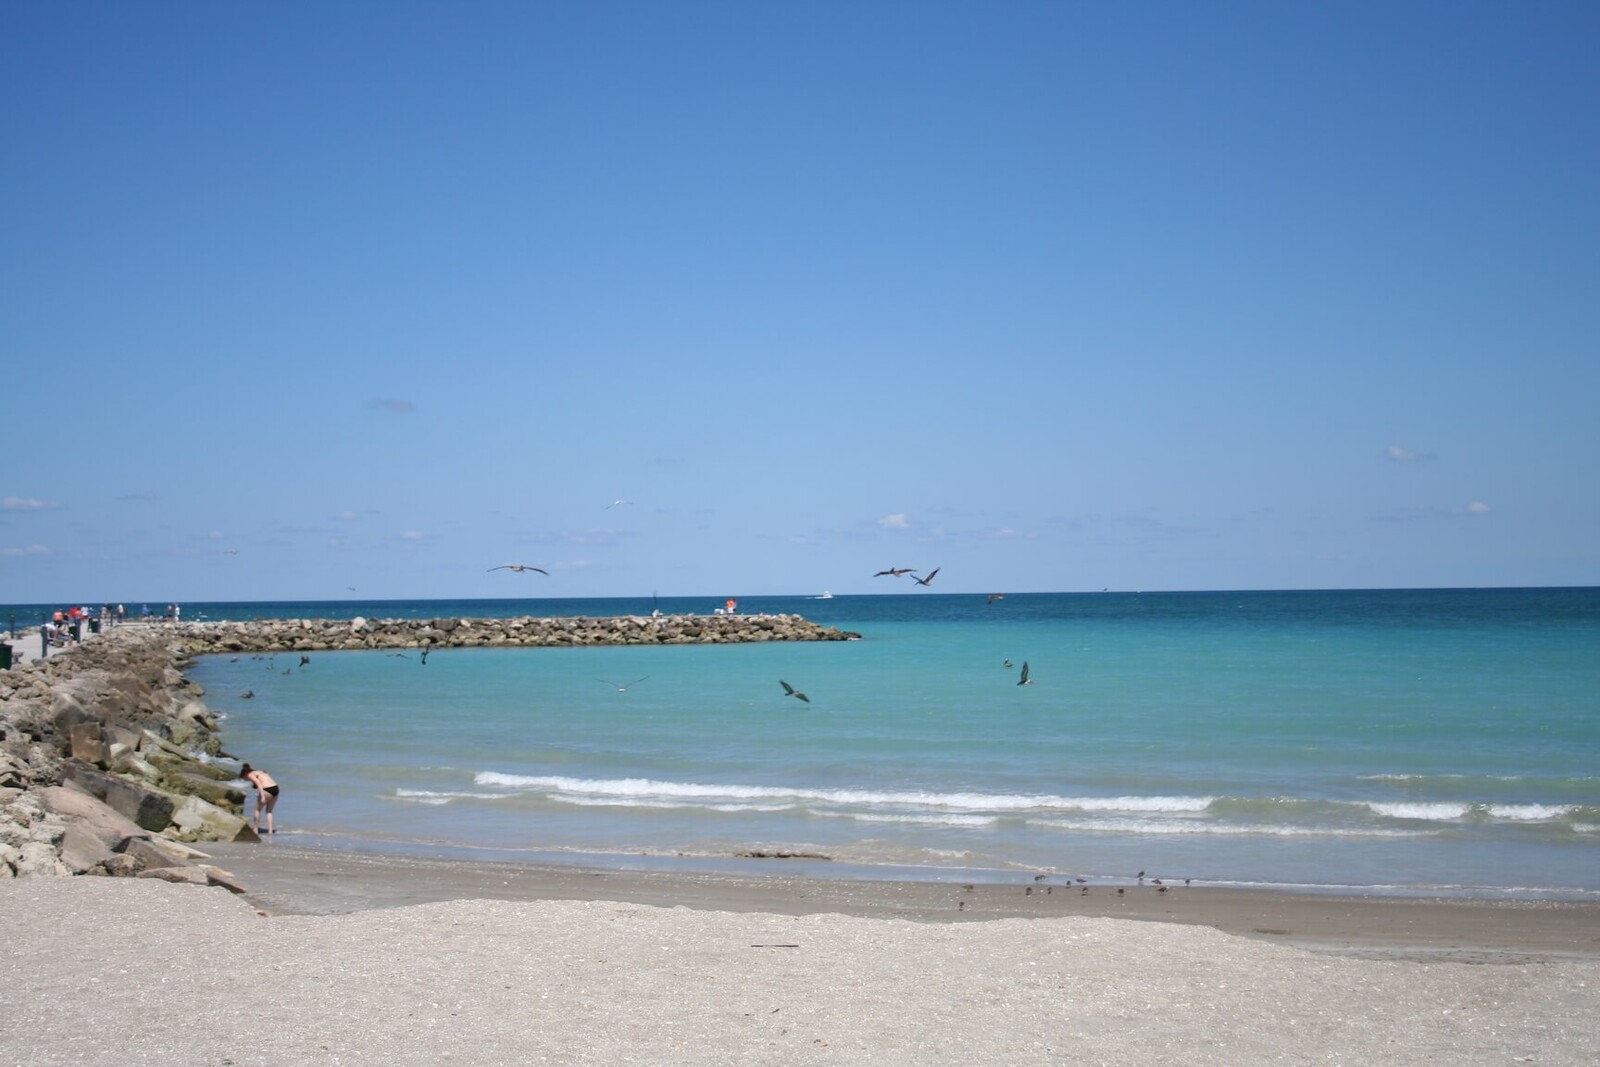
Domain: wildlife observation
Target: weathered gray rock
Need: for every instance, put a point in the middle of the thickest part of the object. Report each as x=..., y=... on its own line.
x=197, y=820
x=182, y=783
x=87, y=743
x=40, y=858
x=82, y=850
x=148, y=807
x=90, y=814
x=146, y=852
x=181, y=875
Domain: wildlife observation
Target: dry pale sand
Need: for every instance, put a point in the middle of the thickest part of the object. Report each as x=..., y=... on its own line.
x=355, y=960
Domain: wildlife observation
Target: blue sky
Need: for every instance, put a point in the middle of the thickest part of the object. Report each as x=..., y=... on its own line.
x=296, y=298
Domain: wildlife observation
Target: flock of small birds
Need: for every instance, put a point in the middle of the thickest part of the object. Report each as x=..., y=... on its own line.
x=1082, y=884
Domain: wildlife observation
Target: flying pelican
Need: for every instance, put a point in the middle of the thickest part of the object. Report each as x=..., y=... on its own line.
x=621, y=688
x=1025, y=679
x=425, y=650
x=304, y=660
x=790, y=690
x=995, y=596
x=895, y=572
x=925, y=581
x=519, y=568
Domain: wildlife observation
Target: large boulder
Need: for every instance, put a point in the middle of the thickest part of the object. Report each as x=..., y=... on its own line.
x=82, y=851
x=91, y=814
x=149, y=808
x=194, y=785
x=152, y=852
x=87, y=742
x=195, y=819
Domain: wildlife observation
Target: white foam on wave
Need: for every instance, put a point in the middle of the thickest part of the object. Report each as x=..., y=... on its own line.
x=615, y=789
x=437, y=799
x=1530, y=812
x=1185, y=826
x=917, y=820
x=1430, y=812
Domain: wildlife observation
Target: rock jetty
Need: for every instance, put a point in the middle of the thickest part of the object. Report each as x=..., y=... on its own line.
x=111, y=763
x=321, y=635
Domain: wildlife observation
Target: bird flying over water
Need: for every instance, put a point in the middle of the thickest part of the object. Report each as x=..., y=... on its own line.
x=304, y=660
x=621, y=688
x=790, y=690
x=614, y=503
x=519, y=568
x=925, y=581
x=995, y=596
x=1025, y=680
x=895, y=572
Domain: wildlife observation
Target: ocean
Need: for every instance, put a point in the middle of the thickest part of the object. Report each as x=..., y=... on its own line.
x=1400, y=742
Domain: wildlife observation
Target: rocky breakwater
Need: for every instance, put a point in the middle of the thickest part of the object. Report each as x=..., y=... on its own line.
x=321, y=635
x=110, y=764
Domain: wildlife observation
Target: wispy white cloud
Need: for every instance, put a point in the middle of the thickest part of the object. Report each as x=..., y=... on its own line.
x=897, y=521
x=347, y=516
x=391, y=404
x=27, y=503
x=1430, y=511
x=1397, y=454
x=25, y=550
x=412, y=535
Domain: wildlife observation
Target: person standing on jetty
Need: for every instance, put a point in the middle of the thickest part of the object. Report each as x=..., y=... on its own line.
x=266, y=795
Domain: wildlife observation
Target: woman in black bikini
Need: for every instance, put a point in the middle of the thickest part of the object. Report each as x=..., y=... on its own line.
x=266, y=795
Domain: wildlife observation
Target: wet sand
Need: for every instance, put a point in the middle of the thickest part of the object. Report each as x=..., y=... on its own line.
x=301, y=881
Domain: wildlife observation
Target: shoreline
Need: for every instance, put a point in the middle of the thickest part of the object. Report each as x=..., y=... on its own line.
x=288, y=880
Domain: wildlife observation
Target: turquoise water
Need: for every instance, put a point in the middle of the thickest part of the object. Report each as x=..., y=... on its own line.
x=1391, y=741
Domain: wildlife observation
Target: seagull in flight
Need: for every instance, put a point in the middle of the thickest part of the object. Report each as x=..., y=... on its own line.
x=895, y=572
x=614, y=503
x=519, y=568
x=1025, y=680
x=789, y=690
x=621, y=688
x=928, y=579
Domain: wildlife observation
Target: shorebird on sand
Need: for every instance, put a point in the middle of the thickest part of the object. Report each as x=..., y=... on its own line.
x=928, y=579
x=790, y=690
x=519, y=568
x=895, y=572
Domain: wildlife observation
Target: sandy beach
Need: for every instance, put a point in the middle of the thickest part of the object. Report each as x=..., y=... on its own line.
x=352, y=959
